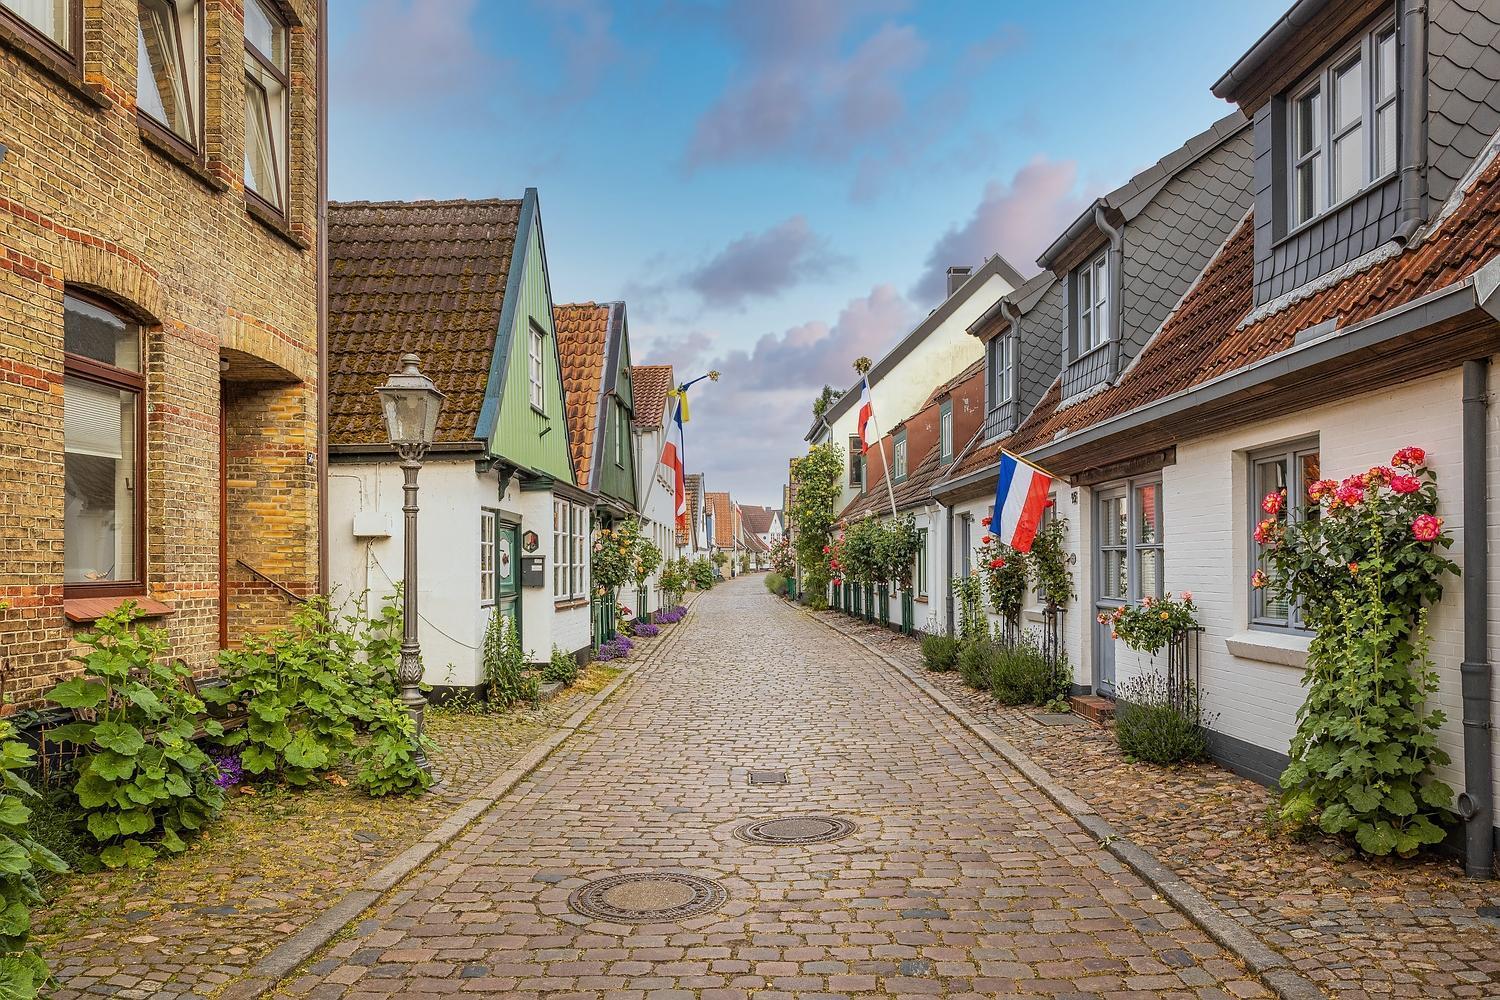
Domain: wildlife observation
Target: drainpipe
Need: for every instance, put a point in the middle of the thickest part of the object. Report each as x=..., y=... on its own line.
x=948, y=565
x=1116, y=288
x=324, y=583
x=1411, y=211
x=1475, y=805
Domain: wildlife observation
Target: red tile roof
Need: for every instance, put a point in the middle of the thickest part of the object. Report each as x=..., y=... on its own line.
x=1203, y=339
x=692, y=483
x=651, y=384
x=422, y=276
x=948, y=386
x=758, y=520
x=722, y=508
x=582, y=340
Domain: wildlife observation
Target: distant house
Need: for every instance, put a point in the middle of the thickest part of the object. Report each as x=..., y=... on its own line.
x=655, y=488
x=763, y=525
x=504, y=526
x=693, y=538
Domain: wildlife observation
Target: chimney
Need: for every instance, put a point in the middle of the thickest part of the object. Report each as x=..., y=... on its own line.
x=957, y=276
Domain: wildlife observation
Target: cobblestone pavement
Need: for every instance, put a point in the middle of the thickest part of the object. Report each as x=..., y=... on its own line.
x=191, y=924
x=1359, y=928
x=960, y=880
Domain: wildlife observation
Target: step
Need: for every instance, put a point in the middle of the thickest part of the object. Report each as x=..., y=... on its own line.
x=1093, y=707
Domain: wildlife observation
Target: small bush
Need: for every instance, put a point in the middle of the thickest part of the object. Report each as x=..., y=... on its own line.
x=561, y=669
x=940, y=652
x=701, y=573
x=975, y=662
x=776, y=583
x=1152, y=726
x=503, y=662
x=1022, y=675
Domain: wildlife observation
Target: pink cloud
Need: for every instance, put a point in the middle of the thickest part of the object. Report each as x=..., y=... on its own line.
x=1017, y=219
x=762, y=264
x=408, y=52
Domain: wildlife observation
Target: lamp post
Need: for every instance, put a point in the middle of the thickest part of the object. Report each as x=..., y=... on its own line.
x=411, y=404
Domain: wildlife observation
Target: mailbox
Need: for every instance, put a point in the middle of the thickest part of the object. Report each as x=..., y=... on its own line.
x=533, y=571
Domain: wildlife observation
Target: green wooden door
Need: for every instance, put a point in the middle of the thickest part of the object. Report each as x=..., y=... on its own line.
x=508, y=572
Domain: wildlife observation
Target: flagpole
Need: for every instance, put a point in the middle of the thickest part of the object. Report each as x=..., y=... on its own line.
x=890, y=491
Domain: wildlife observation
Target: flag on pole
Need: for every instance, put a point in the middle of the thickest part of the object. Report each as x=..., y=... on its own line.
x=1020, y=499
x=866, y=411
x=672, y=457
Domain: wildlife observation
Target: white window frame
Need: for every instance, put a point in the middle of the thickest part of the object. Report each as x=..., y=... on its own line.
x=185, y=31
x=270, y=77
x=945, y=430
x=562, y=557
x=580, y=534
x=536, y=369
x=1091, y=294
x=488, y=542
x=1321, y=85
x=620, y=434
x=898, y=457
x=1298, y=506
x=919, y=575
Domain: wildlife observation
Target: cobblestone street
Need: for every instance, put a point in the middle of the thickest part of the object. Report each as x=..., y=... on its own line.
x=959, y=879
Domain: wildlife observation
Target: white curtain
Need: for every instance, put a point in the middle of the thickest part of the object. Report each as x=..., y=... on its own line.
x=47, y=16
x=92, y=419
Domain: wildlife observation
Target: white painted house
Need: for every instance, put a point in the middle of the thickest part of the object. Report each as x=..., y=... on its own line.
x=656, y=486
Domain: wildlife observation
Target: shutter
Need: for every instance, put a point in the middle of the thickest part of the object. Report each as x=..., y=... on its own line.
x=93, y=420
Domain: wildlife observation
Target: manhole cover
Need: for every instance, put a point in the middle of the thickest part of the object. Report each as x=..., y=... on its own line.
x=647, y=898
x=768, y=778
x=795, y=830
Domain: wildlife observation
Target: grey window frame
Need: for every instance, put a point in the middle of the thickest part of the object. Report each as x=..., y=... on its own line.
x=919, y=572
x=1364, y=48
x=856, y=462
x=945, y=431
x=1099, y=304
x=1297, y=502
x=1131, y=548
x=899, y=465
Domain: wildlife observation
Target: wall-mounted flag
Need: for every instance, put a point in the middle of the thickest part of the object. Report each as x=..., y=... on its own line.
x=1020, y=499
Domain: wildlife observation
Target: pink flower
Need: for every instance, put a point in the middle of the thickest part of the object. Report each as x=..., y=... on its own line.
x=826, y=550
x=1349, y=493
x=1113, y=634
x=1273, y=502
x=1405, y=484
x=1320, y=489
x=1187, y=597
x=1411, y=457
x=1379, y=474
x=1427, y=528
x=1265, y=532
x=1257, y=579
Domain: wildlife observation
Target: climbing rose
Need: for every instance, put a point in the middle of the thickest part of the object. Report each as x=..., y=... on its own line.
x=1263, y=531
x=1353, y=568
x=1426, y=528
x=1258, y=579
x=985, y=520
x=1187, y=597
x=1164, y=616
x=1405, y=484
x=1321, y=488
x=985, y=540
x=1273, y=502
x=1411, y=456
x=997, y=563
x=1350, y=492
x=1379, y=474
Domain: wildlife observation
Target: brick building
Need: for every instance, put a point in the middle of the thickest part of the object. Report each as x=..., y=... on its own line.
x=159, y=320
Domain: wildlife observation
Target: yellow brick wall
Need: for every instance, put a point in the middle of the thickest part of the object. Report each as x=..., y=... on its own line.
x=86, y=201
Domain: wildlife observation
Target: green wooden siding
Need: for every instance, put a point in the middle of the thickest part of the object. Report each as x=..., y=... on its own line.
x=614, y=480
x=522, y=435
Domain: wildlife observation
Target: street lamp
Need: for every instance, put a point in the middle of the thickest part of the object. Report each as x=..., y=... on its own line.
x=411, y=404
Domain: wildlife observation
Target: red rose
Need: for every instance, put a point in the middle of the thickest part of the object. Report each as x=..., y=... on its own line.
x=997, y=563
x=1405, y=484
x=985, y=540
x=1427, y=528
x=1353, y=568
x=985, y=521
x=1320, y=489
x=1349, y=494
x=1273, y=502
x=826, y=550
x=1263, y=532
x=1411, y=457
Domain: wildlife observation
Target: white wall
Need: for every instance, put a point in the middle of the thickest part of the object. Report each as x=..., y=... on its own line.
x=657, y=491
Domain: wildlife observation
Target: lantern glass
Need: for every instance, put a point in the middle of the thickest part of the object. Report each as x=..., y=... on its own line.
x=411, y=404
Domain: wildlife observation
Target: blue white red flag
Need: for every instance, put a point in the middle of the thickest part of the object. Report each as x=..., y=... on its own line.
x=1020, y=500
x=672, y=457
x=866, y=411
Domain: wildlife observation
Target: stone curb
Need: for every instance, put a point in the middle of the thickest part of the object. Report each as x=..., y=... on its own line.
x=286, y=957
x=1272, y=967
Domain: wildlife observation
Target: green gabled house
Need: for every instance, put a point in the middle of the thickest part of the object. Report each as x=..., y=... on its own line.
x=505, y=525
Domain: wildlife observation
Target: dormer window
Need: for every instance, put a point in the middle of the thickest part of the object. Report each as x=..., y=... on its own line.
x=1342, y=124
x=898, y=457
x=945, y=431
x=1091, y=294
x=1001, y=364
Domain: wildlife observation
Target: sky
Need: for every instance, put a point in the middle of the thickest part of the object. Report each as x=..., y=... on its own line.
x=775, y=187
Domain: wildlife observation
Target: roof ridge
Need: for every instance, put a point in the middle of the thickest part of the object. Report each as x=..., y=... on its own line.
x=429, y=203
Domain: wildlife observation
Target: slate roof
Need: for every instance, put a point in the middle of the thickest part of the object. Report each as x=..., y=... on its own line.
x=582, y=341
x=1206, y=337
x=651, y=384
x=422, y=276
x=1463, y=77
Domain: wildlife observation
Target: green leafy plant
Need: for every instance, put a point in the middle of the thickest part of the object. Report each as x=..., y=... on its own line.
x=386, y=763
x=896, y=547
x=1363, y=572
x=1048, y=564
x=1005, y=572
x=143, y=783
x=817, y=480
x=1150, y=625
x=674, y=580
x=940, y=652
x=1158, y=725
x=701, y=572
x=968, y=598
x=504, y=663
x=645, y=558
x=975, y=660
x=23, y=973
x=776, y=583
x=1020, y=674
x=562, y=668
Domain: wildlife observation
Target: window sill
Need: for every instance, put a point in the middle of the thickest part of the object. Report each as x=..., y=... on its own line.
x=1281, y=648
x=179, y=154
x=54, y=65
x=275, y=223
x=82, y=610
x=570, y=604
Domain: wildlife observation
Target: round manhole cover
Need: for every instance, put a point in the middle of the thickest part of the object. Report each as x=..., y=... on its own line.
x=795, y=830
x=647, y=898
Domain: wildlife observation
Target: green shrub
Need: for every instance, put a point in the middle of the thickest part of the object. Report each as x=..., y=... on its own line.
x=975, y=661
x=1153, y=726
x=143, y=783
x=561, y=669
x=1021, y=675
x=701, y=573
x=504, y=662
x=776, y=583
x=940, y=652
x=22, y=971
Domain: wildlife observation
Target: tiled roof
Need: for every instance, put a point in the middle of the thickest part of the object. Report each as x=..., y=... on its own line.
x=757, y=519
x=1204, y=339
x=651, y=384
x=692, y=484
x=422, y=276
x=582, y=340
x=754, y=543
x=949, y=385
x=913, y=491
x=722, y=509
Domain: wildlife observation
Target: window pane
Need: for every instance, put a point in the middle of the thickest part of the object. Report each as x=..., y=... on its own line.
x=1101, y=299
x=262, y=111
x=1348, y=94
x=1149, y=570
x=1307, y=123
x=99, y=466
x=1348, y=163
x=1085, y=331
x=162, y=60
x=1270, y=477
x=1148, y=514
x=1385, y=65
x=265, y=31
x=50, y=17
x=1113, y=584
x=1309, y=189
x=96, y=333
x=1385, y=140
x=1112, y=522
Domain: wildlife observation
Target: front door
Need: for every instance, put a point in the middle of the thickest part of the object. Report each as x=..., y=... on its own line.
x=1113, y=585
x=508, y=572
